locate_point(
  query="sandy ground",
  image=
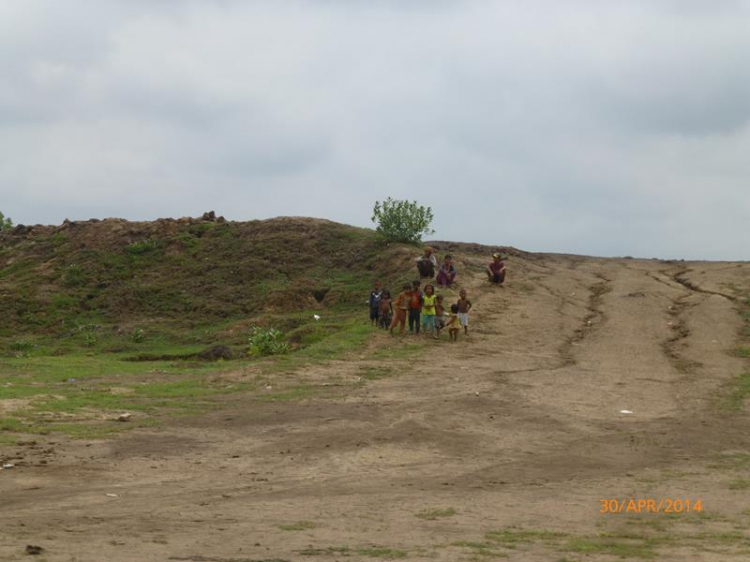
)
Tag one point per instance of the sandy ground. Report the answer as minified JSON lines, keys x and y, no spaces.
{"x":517,"y":426}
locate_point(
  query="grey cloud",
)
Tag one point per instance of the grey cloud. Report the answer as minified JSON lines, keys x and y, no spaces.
{"x":607,"y":128}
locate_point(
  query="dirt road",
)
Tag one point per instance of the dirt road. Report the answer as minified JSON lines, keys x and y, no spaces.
{"x":498,"y":446}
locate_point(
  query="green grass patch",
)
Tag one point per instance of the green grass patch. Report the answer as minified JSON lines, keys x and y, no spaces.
{"x":742,"y":351}
{"x":624,"y":548}
{"x":731,"y":461}
{"x":481,"y":549}
{"x":81,"y":395}
{"x":740,"y":484}
{"x":511,"y":537}
{"x":371,"y":373}
{"x":739,"y":393}
{"x":433,"y":514}
{"x":7,"y":439}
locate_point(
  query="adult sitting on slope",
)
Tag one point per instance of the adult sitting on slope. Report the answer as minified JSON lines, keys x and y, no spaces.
{"x":496,"y":270}
{"x":447,"y":274}
{"x":427,"y":264}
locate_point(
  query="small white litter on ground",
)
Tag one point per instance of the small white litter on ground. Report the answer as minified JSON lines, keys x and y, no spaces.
{"x":625,"y":412}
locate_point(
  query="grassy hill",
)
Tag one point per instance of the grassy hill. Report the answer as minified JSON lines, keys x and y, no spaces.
{"x":121,"y":286}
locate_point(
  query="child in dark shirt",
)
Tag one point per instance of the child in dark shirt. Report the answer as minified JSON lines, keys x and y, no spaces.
{"x":375,"y":296}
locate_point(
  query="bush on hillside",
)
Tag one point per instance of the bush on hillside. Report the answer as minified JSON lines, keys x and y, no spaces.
{"x":5,"y":223}
{"x":402,"y":221}
{"x":266,"y":342}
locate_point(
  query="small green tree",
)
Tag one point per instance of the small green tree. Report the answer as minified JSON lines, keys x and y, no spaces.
{"x":5,"y":224}
{"x":402,"y":221}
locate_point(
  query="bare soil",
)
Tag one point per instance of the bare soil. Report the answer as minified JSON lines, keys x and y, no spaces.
{"x":516,"y":426}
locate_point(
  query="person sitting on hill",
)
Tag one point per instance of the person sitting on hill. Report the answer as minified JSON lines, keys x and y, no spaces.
{"x":447,"y":274}
{"x":427,"y":264}
{"x":496,"y":270}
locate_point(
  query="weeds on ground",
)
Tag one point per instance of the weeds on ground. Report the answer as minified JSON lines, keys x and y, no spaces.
{"x":433,"y":514}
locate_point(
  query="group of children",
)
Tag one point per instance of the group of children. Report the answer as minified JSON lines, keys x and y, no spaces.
{"x":425,"y":308}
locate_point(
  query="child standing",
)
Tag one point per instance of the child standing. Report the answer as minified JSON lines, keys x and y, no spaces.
{"x":385,"y":312}
{"x":415,"y":304}
{"x":402,"y":305}
{"x":375,"y":296}
{"x":439,"y":315}
{"x":429,"y":302}
{"x":464,"y":306}
{"x":453,"y":324}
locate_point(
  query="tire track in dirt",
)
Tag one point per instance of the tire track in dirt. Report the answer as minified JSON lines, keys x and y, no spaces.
{"x":593,"y":318}
{"x":679,"y":277}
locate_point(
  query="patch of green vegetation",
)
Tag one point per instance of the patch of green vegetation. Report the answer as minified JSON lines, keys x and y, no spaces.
{"x":7,"y":439}
{"x":58,"y":239}
{"x":731,"y":461}
{"x":75,"y":276}
{"x":266,"y":341}
{"x":481,"y":549}
{"x":739,"y":484}
{"x":741,"y":391}
{"x":84,"y":390}
{"x":511,"y":537}
{"x":298,"y":526}
{"x":742,"y":351}
{"x":624,"y":548}
{"x":433,"y":514}
{"x":143,"y":247}
{"x":372,"y":373}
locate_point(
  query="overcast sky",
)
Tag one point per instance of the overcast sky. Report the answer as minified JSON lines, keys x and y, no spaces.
{"x":607,"y":128}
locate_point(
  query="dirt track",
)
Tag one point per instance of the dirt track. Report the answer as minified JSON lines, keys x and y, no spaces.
{"x":517,"y":426}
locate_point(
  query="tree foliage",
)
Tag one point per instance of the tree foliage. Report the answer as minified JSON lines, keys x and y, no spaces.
{"x":5,"y":223}
{"x":402,"y":221}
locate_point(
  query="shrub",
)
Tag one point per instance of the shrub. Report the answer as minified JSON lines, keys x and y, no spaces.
{"x":75,"y":276}
{"x":143,"y":247}
{"x":5,"y":223}
{"x":266,"y":342}
{"x":402,"y":221}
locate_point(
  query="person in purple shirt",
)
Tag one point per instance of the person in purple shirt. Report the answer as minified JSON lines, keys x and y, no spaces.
{"x":447,"y":274}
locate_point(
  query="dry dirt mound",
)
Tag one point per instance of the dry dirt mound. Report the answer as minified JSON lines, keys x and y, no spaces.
{"x":183,"y":272}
